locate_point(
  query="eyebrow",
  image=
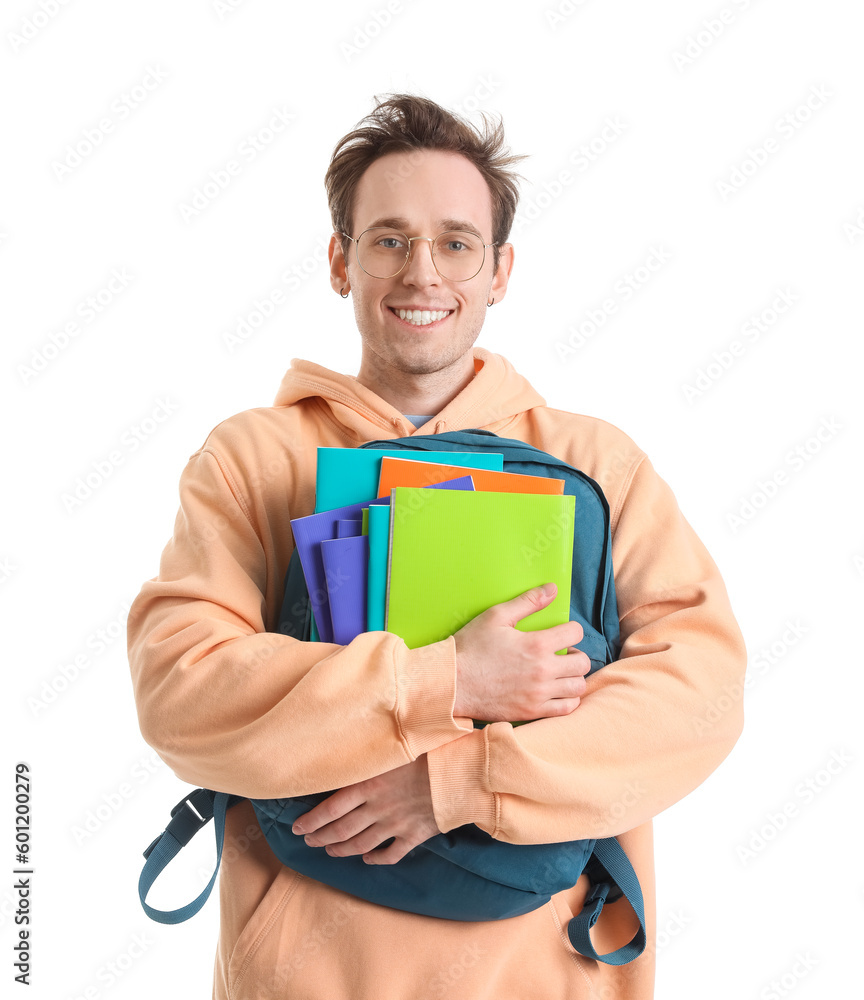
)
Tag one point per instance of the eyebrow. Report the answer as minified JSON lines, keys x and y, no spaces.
{"x":444,"y":225}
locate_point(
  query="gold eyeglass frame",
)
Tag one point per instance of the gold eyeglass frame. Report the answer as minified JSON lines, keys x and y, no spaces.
{"x":410,"y":240}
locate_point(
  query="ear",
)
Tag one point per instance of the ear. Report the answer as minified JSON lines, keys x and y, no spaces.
{"x":338,"y":270}
{"x":498,"y":288}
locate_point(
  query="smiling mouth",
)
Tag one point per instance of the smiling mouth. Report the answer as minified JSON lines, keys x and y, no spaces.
{"x":421,"y":317}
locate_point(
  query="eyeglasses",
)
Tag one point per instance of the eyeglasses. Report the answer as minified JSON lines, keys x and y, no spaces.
{"x":383,"y":252}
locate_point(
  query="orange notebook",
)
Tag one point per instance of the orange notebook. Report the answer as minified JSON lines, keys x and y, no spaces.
{"x":405,"y":472}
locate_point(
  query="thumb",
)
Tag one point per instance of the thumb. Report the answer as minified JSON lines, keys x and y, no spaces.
{"x":526,"y":604}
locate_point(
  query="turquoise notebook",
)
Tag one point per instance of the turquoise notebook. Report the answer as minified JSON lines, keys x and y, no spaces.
{"x":379,"y":542}
{"x":350,"y":475}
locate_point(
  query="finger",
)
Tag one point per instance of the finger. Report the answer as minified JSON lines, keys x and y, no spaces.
{"x":331,"y":809}
{"x":340,"y":831}
{"x":346,"y":827}
{"x":568,"y":687}
{"x":535,"y":599}
{"x":390,"y":855}
{"x":560,"y":706}
{"x":364,"y":842}
{"x":577,"y":663}
{"x":561,"y":636}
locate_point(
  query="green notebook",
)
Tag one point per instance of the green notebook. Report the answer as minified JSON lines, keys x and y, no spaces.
{"x":453,"y":555}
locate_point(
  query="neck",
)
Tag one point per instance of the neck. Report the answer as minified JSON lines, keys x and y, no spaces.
{"x":416,"y":392}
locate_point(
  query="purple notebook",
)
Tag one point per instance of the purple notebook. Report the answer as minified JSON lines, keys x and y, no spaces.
{"x":348,"y":527}
{"x":346,"y":568}
{"x":313,"y":529}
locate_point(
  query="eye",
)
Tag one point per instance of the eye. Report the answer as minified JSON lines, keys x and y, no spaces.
{"x":390,"y":243}
{"x":457,"y":244}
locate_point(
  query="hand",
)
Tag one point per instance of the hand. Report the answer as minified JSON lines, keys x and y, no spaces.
{"x":506,"y":675}
{"x":357,"y":818}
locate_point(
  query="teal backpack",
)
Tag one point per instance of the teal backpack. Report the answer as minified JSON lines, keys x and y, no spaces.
{"x":464,"y":874}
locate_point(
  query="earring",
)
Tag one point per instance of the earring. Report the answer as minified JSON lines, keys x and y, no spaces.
{"x":490,"y":304}
{"x":343,"y":293}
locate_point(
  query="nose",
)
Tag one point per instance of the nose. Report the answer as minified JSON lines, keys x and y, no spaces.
{"x":420,"y":266}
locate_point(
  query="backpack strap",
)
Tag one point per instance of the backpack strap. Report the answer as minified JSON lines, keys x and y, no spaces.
{"x":195,"y":810}
{"x":192,"y":813}
{"x":616,"y":866}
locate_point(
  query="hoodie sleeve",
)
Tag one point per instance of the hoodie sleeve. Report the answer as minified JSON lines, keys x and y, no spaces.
{"x":235,"y":708}
{"x":652,"y":725}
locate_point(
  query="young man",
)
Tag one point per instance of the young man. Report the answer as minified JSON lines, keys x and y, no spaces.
{"x":422,"y":205}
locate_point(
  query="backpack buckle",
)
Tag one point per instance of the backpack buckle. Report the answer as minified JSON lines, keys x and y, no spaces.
{"x":601,"y":879}
{"x":600,"y":892}
{"x":191,"y":813}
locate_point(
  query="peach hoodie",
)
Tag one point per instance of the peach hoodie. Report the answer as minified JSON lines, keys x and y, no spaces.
{"x":231,"y":705}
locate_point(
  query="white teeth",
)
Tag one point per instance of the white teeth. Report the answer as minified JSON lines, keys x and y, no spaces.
{"x":422,"y":317}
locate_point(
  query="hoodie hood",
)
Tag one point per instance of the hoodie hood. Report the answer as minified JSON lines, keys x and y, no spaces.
{"x":493,"y":399}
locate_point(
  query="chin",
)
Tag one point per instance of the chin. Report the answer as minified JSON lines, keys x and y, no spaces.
{"x":413,"y":357}
{"x":428,"y":359}
{"x":420,"y":366}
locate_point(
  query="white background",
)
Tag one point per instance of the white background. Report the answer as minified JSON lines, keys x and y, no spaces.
{"x":759,"y":876}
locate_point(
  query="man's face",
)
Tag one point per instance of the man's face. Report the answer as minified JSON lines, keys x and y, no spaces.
{"x":422,"y":193}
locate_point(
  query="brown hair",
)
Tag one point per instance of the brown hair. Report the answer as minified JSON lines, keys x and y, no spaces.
{"x":406,"y":122}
